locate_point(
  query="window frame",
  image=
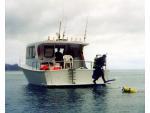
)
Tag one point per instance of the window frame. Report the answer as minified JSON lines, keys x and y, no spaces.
{"x":49,"y":46}
{"x":30,"y":52}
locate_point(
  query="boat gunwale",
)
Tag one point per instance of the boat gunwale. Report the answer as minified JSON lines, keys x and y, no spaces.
{"x":38,"y":70}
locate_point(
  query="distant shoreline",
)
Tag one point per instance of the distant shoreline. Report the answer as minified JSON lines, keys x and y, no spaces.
{"x":12,"y":67}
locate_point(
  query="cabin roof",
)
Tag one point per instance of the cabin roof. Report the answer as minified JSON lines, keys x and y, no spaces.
{"x":59,"y":42}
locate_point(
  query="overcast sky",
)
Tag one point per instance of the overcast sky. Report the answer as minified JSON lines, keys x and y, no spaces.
{"x":115,"y":27}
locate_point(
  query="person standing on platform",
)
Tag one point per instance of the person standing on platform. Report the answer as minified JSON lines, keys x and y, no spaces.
{"x":99,"y":64}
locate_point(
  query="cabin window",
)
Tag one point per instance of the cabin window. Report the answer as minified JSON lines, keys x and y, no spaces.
{"x":48,"y":51}
{"x":27,"y":53}
{"x":74,"y":50}
{"x":33,"y":52}
{"x":30,"y":52}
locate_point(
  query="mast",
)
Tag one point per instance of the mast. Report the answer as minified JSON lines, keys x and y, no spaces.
{"x":63,"y":34}
{"x":59,"y":31}
{"x":85,"y":29}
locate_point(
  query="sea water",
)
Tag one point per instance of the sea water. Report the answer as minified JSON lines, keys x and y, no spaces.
{"x":24,"y":98}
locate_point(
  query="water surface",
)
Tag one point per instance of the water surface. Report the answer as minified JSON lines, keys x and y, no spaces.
{"x":24,"y":98}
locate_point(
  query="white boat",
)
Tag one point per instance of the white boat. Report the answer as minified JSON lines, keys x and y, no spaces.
{"x":42,"y":68}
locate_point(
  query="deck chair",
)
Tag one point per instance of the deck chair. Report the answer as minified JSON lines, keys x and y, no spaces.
{"x":68,"y":61}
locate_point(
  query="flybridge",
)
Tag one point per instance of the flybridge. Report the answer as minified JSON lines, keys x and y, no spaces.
{"x":69,"y":38}
{"x":60,"y":42}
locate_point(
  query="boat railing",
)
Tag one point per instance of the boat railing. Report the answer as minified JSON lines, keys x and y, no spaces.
{"x":76,"y":64}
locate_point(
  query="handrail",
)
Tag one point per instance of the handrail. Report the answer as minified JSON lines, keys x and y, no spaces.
{"x":84,"y":64}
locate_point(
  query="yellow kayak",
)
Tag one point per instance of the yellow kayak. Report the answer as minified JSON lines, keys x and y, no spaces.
{"x":126,"y":89}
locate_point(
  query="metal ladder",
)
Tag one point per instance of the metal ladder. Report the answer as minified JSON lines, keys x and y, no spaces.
{"x":72,"y":72}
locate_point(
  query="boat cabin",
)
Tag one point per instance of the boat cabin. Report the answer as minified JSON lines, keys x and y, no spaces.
{"x":63,"y":54}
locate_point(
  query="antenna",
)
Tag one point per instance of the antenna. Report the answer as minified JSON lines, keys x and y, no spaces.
{"x":59,"y":31}
{"x":64,"y":23}
{"x":85,"y":29}
{"x":60,"y":24}
{"x":63,"y":34}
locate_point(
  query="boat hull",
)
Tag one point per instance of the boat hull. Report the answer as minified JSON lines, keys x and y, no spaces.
{"x":58,"y":78}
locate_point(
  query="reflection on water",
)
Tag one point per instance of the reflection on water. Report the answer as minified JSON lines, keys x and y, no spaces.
{"x":62,"y":100}
{"x":23,"y":98}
